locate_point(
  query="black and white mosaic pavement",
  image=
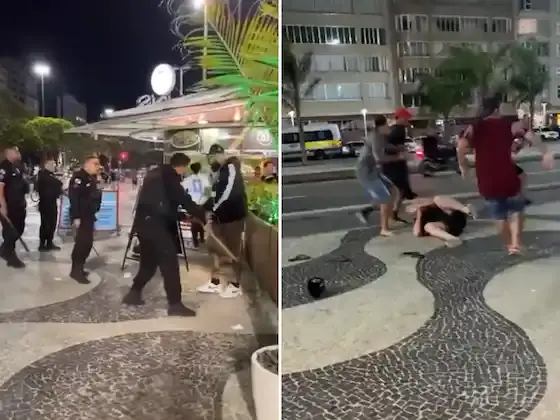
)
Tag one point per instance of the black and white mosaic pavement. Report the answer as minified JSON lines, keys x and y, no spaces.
{"x":171,"y":375}
{"x":344,"y":269}
{"x":467,"y":362}
{"x":102,"y":303}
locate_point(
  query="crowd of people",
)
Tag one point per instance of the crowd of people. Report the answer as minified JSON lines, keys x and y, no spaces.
{"x":215,"y":201}
{"x":493,"y":140}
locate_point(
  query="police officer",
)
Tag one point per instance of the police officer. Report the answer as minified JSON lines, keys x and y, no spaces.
{"x":156,"y":210}
{"x":49,"y":188}
{"x":13,"y":204}
{"x":85,"y":202}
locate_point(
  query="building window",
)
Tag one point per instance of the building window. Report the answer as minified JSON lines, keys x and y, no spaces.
{"x":374,"y":36}
{"x":331,"y":35}
{"x":447,"y":23}
{"x":376,"y":90}
{"x":474,"y":24}
{"x":413,"y":49}
{"x":526,"y":5}
{"x":558,"y":28}
{"x":411,"y":23}
{"x":376,"y":64}
{"x":411,"y":100}
{"x":323,"y":63}
{"x":501,"y":25}
{"x":558,"y":91}
{"x":557,"y":50}
{"x":542,"y":48}
{"x":337,"y":92}
{"x":557,"y":71}
{"x":352,"y":64}
{"x":410,"y":75}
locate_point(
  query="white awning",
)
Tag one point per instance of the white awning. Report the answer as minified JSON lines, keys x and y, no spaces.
{"x":214,"y":108}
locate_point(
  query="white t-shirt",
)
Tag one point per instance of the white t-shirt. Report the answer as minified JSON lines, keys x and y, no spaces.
{"x":198,"y":187}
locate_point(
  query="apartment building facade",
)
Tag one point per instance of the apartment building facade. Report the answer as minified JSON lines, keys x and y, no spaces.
{"x":540,"y":19}
{"x":368,"y":53}
{"x":18,"y":81}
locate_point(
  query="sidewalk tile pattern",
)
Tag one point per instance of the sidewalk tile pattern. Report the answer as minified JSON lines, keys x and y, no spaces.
{"x":345,"y":269}
{"x":467,"y":362}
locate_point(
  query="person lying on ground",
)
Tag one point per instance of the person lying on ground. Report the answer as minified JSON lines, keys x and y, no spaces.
{"x":441,"y":217}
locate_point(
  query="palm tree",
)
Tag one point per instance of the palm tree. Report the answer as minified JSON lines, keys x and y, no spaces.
{"x":485,"y":71}
{"x":297,"y":84}
{"x":243,"y":55}
{"x":528,"y":77}
{"x":444,"y":91}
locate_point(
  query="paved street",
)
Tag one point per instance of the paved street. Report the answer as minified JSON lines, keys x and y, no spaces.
{"x":320,"y":196}
{"x":75,"y":352}
{"x":459,"y":334}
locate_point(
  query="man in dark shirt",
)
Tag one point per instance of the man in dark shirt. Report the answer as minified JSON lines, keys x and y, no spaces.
{"x":227,"y":220}
{"x":85,"y":201}
{"x":491,"y":140}
{"x":49,"y":188}
{"x":397,"y":170}
{"x":268,"y":172}
{"x":157,"y":208}
{"x":13,"y":188}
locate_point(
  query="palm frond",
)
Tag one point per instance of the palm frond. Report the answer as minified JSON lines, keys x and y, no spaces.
{"x":243,"y":54}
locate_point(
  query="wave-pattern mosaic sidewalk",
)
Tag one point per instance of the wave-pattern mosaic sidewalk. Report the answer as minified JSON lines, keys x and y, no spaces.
{"x":421,"y":339}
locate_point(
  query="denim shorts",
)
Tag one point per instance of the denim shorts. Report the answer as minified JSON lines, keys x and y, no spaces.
{"x":503,"y":208}
{"x":379,"y":188}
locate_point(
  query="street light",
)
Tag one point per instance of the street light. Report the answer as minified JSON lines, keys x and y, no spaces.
{"x":42,"y":70}
{"x":292,"y":116}
{"x":364,"y":114}
{"x":202,"y":4}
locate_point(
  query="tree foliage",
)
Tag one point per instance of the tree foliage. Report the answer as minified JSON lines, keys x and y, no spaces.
{"x":297,"y":83}
{"x":512,"y":70}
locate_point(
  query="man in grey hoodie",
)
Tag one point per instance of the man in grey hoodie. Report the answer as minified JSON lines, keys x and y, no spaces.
{"x":369,"y":174}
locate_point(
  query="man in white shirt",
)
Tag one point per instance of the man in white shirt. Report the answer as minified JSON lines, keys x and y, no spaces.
{"x":199,"y":187}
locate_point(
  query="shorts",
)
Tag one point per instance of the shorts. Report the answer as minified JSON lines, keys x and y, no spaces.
{"x":519,"y":170}
{"x":379,"y":188}
{"x":454,"y":222}
{"x":503,"y":208}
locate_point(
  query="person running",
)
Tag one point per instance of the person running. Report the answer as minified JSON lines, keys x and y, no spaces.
{"x":441,"y":217}
{"x":396,"y":170}
{"x":371,"y":177}
{"x":491,"y":139}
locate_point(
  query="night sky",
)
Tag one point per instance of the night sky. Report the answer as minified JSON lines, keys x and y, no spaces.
{"x":101,"y":51}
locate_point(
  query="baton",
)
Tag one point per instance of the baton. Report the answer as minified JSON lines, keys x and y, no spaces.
{"x":11,"y":226}
{"x":221,"y":245}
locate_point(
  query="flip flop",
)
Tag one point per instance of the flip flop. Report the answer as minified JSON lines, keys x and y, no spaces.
{"x":513,"y":250}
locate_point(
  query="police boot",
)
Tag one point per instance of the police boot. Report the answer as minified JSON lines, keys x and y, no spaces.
{"x":14,"y":261}
{"x":178,"y":309}
{"x":78,"y":274}
{"x":134,"y":298}
{"x":52,"y":247}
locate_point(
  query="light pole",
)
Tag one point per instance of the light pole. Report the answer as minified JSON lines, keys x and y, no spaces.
{"x":42,"y":70}
{"x":292,"y":116}
{"x":203,"y":4}
{"x":364,"y":114}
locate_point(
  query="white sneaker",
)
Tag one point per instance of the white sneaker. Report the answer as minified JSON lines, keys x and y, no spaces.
{"x":231,"y":291}
{"x":209,"y":288}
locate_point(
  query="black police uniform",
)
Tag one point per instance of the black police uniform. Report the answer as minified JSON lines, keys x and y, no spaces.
{"x":15,"y":189}
{"x":156,"y":210}
{"x":85,"y":202}
{"x":49,"y":188}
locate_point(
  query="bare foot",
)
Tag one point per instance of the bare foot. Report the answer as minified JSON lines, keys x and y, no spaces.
{"x":452,"y":243}
{"x":386,"y":233}
{"x":514,"y":250}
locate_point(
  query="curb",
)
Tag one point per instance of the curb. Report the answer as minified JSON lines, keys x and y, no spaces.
{"x":350,"y":173}
{"x":309,"y":214}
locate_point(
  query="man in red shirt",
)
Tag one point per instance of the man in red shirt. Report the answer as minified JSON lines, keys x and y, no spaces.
{"x":491,"y":140}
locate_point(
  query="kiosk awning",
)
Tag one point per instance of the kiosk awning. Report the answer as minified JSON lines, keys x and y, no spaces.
{"x":216,"y":108}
